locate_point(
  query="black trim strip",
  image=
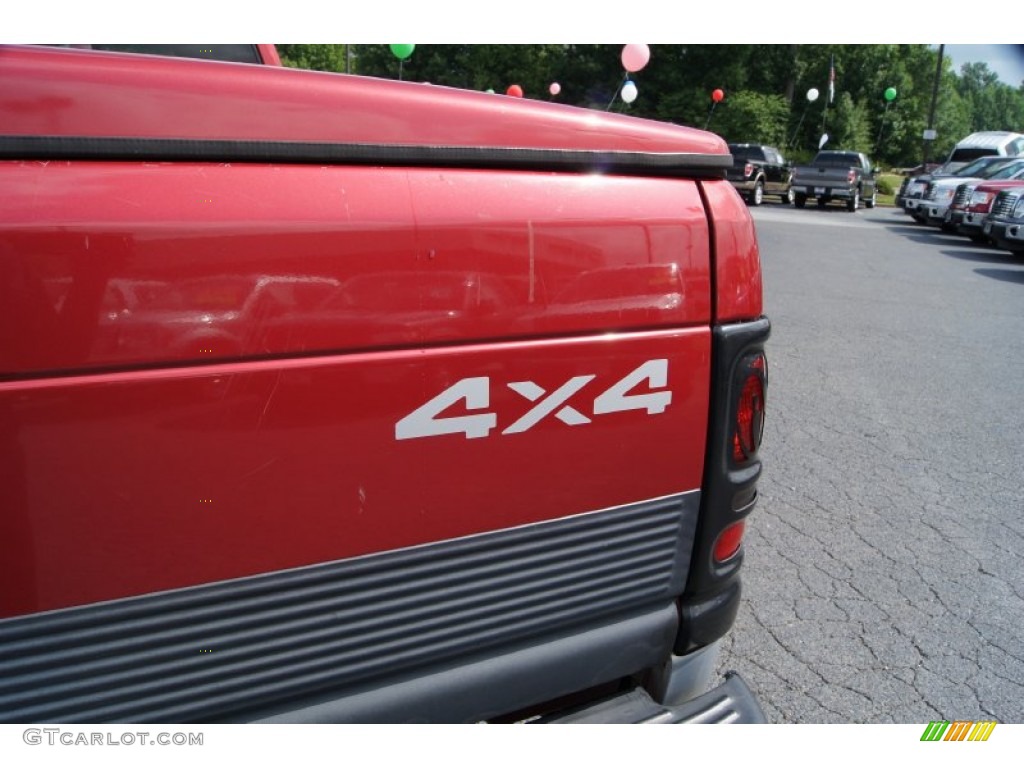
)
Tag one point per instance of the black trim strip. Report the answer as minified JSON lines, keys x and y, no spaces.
{"x":301,"y":152}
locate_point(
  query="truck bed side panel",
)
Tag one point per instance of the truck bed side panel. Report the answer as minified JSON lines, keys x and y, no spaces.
{"x":108,"y":265}
{"x":206,"y":376}
{"x":737,"y":261}
{"x":280,"y":464}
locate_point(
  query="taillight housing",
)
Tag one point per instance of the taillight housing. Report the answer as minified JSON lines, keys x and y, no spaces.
{"x":748,"y":169}
{"x":748,"y":428}
{"x":732,"y":468}
{"x":727,"y":545}
{"x":851,"y":176}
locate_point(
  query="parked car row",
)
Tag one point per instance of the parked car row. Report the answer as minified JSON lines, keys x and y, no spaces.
{"x":833,"y":176}
{"x":983,"y":200}
{"x":927,"y":197}
{"x":982,"y":144}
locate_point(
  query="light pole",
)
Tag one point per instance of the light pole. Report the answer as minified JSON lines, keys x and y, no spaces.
{"x":929,"y":134}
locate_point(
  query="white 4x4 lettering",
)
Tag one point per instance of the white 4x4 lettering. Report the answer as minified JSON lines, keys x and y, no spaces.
{"x":426,"y":421}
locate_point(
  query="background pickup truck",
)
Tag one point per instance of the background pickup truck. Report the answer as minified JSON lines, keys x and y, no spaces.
{"x":758,"y":170}
{"x":337,"y":399}
{"x":835,"y":175}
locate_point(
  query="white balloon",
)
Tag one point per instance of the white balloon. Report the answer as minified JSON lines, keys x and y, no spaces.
{"x":812,"y":95}
{"x":629,"y":92}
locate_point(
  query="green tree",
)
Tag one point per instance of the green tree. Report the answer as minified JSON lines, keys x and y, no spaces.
{"x":765,"y":88}
{"x":591,"y":75}
{"x":849,"y":127}
{"x":993,"y":105}
{"x":749,"y":116}
{"x":952,"y":121}
{"x":325,"y":58}
{"x":475,"y":67}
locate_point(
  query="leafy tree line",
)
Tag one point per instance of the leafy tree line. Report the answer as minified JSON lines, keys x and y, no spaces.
{"x":765,"y":88}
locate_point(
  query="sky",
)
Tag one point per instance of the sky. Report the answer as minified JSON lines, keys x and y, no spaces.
{"x":1007,"y":61}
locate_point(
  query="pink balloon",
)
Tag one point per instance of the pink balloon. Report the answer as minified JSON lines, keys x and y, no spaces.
{"x":717,"y":95}
{"x":635,"y":57}
{"x":555,"y":89}
{"x":515,"y":90}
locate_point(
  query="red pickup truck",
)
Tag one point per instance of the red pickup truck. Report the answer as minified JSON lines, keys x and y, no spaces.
{"x":337,"y":399}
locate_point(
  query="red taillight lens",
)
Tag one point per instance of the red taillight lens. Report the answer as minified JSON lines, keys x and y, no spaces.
{"x":748,"y":169}
{"x":851,"y":176}
{"x":749,"y":426}
{"x":729,"y":541}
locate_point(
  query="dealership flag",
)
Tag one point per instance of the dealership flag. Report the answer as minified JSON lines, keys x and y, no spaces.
{"x":832,"y":80}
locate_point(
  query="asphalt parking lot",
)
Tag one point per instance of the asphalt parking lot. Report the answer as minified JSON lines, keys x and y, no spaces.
{"x":884,"y":563}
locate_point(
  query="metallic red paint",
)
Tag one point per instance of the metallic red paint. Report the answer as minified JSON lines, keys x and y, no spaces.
{"x":736,"y":260}
{"x":65,"y":92}
{"x":119,"y":264}
{"x":121,"y":484}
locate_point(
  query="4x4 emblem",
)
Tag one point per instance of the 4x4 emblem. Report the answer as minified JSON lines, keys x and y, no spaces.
{"x":475,"y":393}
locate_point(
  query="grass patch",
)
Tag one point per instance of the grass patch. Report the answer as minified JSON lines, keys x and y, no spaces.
{"x":888,"y":186}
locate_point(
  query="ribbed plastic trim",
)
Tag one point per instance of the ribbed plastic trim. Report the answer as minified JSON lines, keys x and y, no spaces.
{"x":202,"y":653}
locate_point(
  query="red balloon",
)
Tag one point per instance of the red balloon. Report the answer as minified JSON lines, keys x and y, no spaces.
{"x":515,"y":90}
{"x":717,"y":95}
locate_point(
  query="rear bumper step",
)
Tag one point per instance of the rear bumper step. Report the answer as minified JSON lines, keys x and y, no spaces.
{"x":730,"y":702}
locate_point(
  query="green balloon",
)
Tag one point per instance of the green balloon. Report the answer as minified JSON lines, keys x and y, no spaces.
{"x":402,"y":52}
{"x":890,"y":94}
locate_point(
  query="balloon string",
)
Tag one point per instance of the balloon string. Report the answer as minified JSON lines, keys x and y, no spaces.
{"x":878,"y":141}
{"x":625,"y":77}
{"x":710,"y":113}
{"x":792,"y":142}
